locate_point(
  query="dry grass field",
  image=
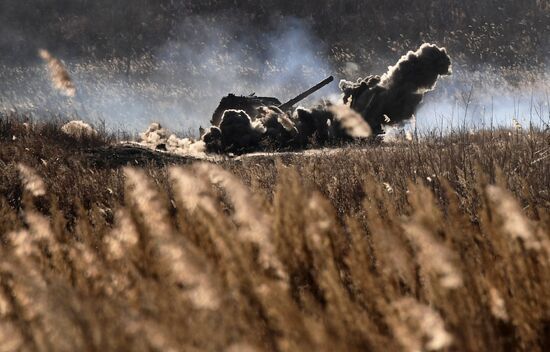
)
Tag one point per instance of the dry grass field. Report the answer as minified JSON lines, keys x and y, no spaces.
{"x":441,"y":243}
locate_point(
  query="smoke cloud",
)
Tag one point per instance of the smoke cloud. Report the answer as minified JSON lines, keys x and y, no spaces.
{"x":486,"y":98}
{"x":373,"y":101}
{"x":394,"y":97}
{"x":181,"y":83}
{"x":274,"y":130}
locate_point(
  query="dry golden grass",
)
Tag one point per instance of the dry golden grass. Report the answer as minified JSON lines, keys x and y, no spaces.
{"x":61,"y":80}
{"x":435,"y":245}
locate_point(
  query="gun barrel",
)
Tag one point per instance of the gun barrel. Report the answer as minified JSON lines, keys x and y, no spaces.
{"x":305,"y":94}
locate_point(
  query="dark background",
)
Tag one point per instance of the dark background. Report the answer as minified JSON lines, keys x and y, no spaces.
{"x":504,"y":33}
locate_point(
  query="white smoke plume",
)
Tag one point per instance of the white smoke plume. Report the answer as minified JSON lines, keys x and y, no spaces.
{"x":158,"y":138}
{"x":181,"y":84}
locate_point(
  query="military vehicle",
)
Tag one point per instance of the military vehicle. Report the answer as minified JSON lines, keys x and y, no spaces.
{"x":250,"y":104}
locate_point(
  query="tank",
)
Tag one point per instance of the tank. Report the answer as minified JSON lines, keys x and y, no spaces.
{"x":251,"y":103}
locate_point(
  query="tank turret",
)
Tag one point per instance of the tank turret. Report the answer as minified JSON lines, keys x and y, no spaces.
{"x":251,"y":104}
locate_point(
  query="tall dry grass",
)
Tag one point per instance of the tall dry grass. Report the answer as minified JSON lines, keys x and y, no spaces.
{"x":301,"y":253}
{"x":61,"y":80}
